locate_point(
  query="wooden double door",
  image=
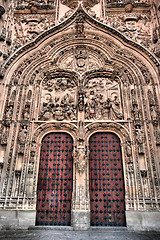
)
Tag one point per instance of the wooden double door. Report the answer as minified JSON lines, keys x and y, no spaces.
{"x":55,"y":180}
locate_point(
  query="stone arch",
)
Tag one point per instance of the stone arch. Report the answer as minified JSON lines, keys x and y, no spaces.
{"x":110,"y":51}
{"x":121,"y":60}
{"x":93,"y":22}
{"x":80,"y":12}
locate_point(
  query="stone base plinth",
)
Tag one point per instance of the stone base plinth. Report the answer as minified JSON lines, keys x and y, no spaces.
{"x":17,"y":219}
{"x":143,"y":220}
{"x":135,"y":220}
{"x":80,"y":220}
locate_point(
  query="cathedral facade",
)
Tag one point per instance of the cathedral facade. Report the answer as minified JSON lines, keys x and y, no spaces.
{"x":80,"y":114}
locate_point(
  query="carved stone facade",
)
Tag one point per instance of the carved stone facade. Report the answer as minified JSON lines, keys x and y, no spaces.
{"x":94,"y":68}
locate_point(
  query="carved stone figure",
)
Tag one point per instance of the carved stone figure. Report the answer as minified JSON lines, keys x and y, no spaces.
{"x":140,"y":139}
{"x":158,"y":138}
{"x":32,"y":152}
{"x":130,"y":168}
{"x":5,"y":136}
{"x":13,"y":97}
{"x":22,"y":135}
{"x":58,"y":98}
{"x":81,"y":98}
{"x":102,"y":98}
{"x":46,"y":111}
{"x":3,"y":34}
{"x":107,"y":106}
{"x":81,"y":133}
{"x":153,"y":113}
{"x":9,"y":113}
{"x":151,"y":98}
{"x":116,"y":107}
{"x":80,"y":159}
{"x":136,"y":112}
{"x":26,"y":112}
{"x":129,"y":151}
{"x":29,"y":95}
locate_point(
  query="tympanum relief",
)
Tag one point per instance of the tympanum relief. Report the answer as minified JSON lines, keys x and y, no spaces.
{"x":80,"y":59}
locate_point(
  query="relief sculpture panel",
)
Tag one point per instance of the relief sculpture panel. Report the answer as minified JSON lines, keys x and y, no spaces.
{"x":58,"y":99}
{"x":103,"y":99}
{"x":80,"y":59}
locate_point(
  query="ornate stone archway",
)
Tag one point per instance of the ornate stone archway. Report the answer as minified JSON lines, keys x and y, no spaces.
{"x":90,"y":79}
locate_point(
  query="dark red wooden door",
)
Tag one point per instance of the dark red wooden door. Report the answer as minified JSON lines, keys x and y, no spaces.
{"x":54,"y":189}
{"x":106,"y":181}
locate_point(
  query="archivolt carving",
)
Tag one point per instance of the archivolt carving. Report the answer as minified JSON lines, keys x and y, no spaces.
{"x":51,"y":127}
{"x":121,"y":130}
{"x":4,"y":135}
{"x":86,"y":18}
{"x":83,"y":58}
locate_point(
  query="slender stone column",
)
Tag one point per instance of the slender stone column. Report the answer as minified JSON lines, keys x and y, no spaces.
{"x":80,"y":210}
{"x":80,"y":200}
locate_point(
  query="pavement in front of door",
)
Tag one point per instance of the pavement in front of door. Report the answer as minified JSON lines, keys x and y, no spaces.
{"x":92,"y":234}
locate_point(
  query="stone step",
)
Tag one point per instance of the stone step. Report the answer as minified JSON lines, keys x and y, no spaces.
{"x":109,"y":229}
{"x":68,"y":228}
{"x":54,"y":228}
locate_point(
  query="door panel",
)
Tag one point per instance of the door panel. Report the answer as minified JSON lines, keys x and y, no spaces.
{"x":54,"y":190}
{"x":106,"y":181}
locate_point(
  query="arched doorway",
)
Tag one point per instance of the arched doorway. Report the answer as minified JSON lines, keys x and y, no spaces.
{"x":54,"y":191}
{"x":107,"y":203}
